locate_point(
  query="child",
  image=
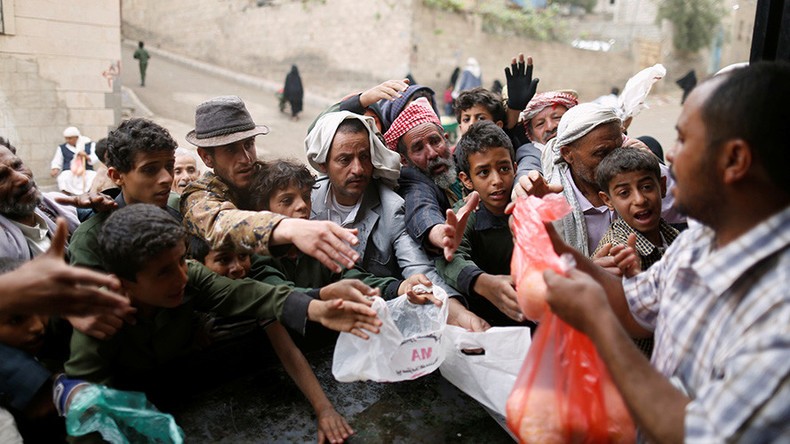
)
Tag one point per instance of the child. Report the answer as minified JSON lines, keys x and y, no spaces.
{"x":331,"y":425}
{"x":145,"y":247}
{"x":480,"y":269}
{"x":631,"y":184}
{"x":31,"y":349}
{"x":478,"y":104}
{"x":284,"y":187}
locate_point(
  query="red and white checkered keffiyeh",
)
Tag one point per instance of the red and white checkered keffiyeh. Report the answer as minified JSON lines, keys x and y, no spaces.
{"x":418,"y":112}
{"x":567,"y":98}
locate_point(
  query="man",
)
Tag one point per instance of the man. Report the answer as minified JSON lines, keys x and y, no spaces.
{"x":357,"y":193}
{"x":586,"y":134}
{"x":225,"y":136}
{"x":541,"y":118}
{"x":27,"y":217}
{"x":717,"y":302}
{"x":185,"y":170}
{"x":429,"y":180}
{"x":142,"y":56}
{"x":76,"y":148}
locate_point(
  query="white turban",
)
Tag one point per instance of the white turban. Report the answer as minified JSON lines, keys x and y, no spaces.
{"x":576,"y":123}
{"x":71,"y":132}
{"x":386,"y":163}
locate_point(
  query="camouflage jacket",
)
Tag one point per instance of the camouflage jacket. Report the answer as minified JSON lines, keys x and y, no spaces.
{"x":210,"y":211}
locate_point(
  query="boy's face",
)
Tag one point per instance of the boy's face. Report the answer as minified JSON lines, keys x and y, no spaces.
{"x":292,"y":202}
{"x":161,"y":282}
{"x":636,"y":196}
{"x":149,"y":180}
{"x":23,"y":332}
{"x":491,"y":174}
{"x":228,"y":263}
{"x":472,"y":115}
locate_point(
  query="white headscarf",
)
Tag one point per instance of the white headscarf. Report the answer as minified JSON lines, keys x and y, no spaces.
{"x":386,"y":163}
{"x":576,"y":123}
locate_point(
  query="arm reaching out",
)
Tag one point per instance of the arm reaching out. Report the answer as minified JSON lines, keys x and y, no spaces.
{"x":340,"y":315}
{"x":47,"y":285}
{"x":324,"y":240}
{"x":389,"y":90}
{"x":448,"y":236}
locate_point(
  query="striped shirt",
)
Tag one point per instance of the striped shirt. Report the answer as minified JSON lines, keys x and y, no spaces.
{"x":721,"y":320}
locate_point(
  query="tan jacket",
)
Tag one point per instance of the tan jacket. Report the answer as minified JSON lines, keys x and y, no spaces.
{"x":210,"y":211}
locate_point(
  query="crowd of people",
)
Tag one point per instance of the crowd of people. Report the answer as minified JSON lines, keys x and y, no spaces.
{"x":679,"y":279}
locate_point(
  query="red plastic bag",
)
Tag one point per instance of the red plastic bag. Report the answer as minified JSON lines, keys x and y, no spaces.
{"x":533,"y":252}
{"x":564,"y":393}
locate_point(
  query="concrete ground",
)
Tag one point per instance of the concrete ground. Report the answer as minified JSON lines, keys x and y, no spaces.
{"x":261,"y":403}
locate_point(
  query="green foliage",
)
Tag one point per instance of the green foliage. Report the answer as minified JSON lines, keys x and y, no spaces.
{"x":694,"y":22}
{"x":588,"y":5}
{"x":500,"y":18}
{"x":446,"y":5}
{"x":539,"y":24}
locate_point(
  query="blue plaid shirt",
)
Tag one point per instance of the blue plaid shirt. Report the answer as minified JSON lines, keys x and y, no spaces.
{"x":721,"y":320}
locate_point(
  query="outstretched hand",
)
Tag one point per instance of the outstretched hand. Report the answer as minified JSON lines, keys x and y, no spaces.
{"x":324,"y":240}
{"x":47,"y":285}
{"x":521,"y":87}
{"x":418,"y":296}
{"x":534,"y":184}
{"x":625,"y":257}
{"x":352,"y":290}
{"x":447,"y":236}
{"x":389,"y":90}
{"x":603,"y":258}
{"x":340,"y":315}
{"x":332,"y":427}
{"x":99,"y":202}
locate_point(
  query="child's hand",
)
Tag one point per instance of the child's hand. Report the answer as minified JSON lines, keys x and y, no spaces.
{"x":418,"y":295}
{"x":604,"y":259}
{"x":340,"y":315}
{"x":459,"y":316}
{"x":447,"y":236}
{"x":352,"y":290}
{"x":626,"y":258}
{"x":332,"y":427}
{"x":533,"y":184}
{"x":500,"y":291}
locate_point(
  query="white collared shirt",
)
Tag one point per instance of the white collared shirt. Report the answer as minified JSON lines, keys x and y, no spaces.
{"x":37,"y":236}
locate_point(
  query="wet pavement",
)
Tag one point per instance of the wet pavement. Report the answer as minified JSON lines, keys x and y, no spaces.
{"x":265,"y":405}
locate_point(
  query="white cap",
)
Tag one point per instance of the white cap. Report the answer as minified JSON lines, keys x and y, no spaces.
{"x":71,"y":131}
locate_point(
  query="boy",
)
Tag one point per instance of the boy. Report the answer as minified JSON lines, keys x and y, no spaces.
{"x":331,"y":425}
{"x":284,"y":187}
{"x":631,"y":184}
{"x":478,"y":104}
{"x":480,"y":269}
{"x":30,"y":350}
{"x":633,"y":187}
{"x":145,"y":247}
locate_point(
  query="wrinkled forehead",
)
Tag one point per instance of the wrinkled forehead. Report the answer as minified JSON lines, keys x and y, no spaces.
{"x":185,"y":160}
{"x":421,"y":131}
{"x":550,"y":109}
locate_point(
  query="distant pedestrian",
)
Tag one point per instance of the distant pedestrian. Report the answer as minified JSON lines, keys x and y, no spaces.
{"x":687,"y":83}
{"x":294,"y":92}
{"x":471,"y":77}
{"x":142,"y":55}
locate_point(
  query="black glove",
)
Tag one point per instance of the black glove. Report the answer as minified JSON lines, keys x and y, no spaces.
{"x":521,"y":86}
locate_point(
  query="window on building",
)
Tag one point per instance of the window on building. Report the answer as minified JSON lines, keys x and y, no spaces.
{"x":2,"y":22}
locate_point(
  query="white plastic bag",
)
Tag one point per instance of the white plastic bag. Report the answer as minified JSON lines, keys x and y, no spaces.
{"x":408,"y":346}
{"x":488,"y":377}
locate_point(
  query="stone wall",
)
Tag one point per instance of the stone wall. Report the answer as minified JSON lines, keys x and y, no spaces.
{"x":55,"y":65}
{"x":346,"y":45}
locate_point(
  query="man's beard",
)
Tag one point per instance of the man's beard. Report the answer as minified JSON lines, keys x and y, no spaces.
{"x":446,"y":179}
{"x":15,"y":209}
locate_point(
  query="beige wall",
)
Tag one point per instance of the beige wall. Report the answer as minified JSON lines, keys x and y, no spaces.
{"x":345,"y":45}
{"x":52,"y":61}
